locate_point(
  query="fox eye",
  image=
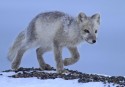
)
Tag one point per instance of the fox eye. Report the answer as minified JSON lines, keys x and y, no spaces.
{"x":95,"y":31}
{"x":86,"y":31}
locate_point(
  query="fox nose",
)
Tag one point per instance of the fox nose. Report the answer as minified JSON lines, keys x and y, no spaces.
{"x":94,"y":41}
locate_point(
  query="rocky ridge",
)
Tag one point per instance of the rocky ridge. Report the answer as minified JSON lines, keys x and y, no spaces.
{"x":69,"y":75}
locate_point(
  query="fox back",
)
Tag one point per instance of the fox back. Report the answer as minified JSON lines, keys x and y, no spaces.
{"x":67,"y":29}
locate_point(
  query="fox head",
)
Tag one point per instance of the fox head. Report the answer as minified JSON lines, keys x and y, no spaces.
{"x":89,"y":27}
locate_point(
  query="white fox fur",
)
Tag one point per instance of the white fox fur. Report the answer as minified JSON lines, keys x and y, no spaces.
{"x":55,"y":30}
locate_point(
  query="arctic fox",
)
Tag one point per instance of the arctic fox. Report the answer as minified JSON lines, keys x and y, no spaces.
{"x":53,"y":31}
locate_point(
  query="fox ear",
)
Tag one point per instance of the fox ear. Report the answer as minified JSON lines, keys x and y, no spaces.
{"x":96,"y":17}
{"x":82,"y":17}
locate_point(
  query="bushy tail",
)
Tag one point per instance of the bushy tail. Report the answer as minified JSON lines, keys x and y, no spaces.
{"x":15,"y":46}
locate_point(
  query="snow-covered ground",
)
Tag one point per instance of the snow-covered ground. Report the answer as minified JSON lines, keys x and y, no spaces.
{"x":6,"y":81}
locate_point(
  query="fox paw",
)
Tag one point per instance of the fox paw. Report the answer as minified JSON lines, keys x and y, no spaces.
{"x":66,"y":61}
{"x":62,"y":71}
{"x":14,"y":65}
{"x":46,"y":67}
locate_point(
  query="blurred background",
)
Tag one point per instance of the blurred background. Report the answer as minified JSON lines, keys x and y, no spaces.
{"x":107,"y":56}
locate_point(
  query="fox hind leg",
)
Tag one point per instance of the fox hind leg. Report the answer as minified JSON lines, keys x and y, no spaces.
{"x":75,"y":56}
{"x":40,"y":51}
{"x":17,"y":60}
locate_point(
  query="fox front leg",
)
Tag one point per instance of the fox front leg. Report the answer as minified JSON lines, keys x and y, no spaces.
{"x":58,"y":57}
{"x":75,"y":56}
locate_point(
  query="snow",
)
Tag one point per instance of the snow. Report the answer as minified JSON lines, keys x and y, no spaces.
{"x":6,"y":81}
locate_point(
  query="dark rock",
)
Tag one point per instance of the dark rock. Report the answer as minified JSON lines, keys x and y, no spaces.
{"x":8,"y":71}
